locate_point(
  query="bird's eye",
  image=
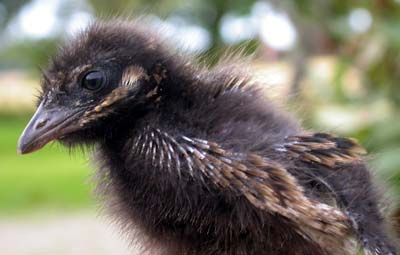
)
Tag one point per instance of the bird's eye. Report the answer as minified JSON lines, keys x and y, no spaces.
{"x":93,"y":80}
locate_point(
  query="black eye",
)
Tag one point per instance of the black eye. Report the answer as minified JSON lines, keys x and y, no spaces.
{"x":93,"y":80}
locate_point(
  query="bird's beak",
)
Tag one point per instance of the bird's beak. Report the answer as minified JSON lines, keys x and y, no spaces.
{"x":47,"y":124}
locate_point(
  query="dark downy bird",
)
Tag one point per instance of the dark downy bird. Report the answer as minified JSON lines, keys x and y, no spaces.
{"x":198,"y":161}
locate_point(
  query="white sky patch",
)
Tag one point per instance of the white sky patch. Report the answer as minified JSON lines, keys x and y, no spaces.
{"x":360,"y":20}
{"x":190,"y":37}
{"x":275,"y":27}
{"x":235,"y":29}
{"x":78,"y":21}
{"x":38,"y":19}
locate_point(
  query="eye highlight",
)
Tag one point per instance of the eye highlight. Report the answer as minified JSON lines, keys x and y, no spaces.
{"x":93,"y":80}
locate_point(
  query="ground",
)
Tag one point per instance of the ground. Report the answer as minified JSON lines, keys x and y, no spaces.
{"x":62,"y":234}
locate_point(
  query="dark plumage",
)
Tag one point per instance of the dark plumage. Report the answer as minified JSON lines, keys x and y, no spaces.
{"x":198,"y":161}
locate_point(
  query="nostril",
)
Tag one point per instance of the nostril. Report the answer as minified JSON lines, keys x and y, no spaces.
{"x":41,"y":123}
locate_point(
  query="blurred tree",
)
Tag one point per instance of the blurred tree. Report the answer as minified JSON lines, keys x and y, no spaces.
{"x":335,"y":28}
{"x":8,"y":9}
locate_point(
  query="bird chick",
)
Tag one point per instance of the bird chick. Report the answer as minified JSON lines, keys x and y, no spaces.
{"x":198,"y":161}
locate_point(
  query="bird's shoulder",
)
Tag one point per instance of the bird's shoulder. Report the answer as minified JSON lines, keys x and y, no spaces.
{"x":230,"y":109}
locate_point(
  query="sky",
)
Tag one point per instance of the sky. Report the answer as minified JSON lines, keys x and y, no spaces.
{"x":39,"y":19}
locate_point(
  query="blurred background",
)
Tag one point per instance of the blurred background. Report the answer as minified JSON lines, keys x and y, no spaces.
{"x":335,"y":63}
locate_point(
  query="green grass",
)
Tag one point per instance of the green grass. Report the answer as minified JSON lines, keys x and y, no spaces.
{"x":50,"y":178}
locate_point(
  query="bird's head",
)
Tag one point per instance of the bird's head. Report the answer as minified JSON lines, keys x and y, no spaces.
{"x":108,"y":69}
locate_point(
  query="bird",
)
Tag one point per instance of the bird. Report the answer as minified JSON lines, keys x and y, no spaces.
{"x":197,"y":160}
